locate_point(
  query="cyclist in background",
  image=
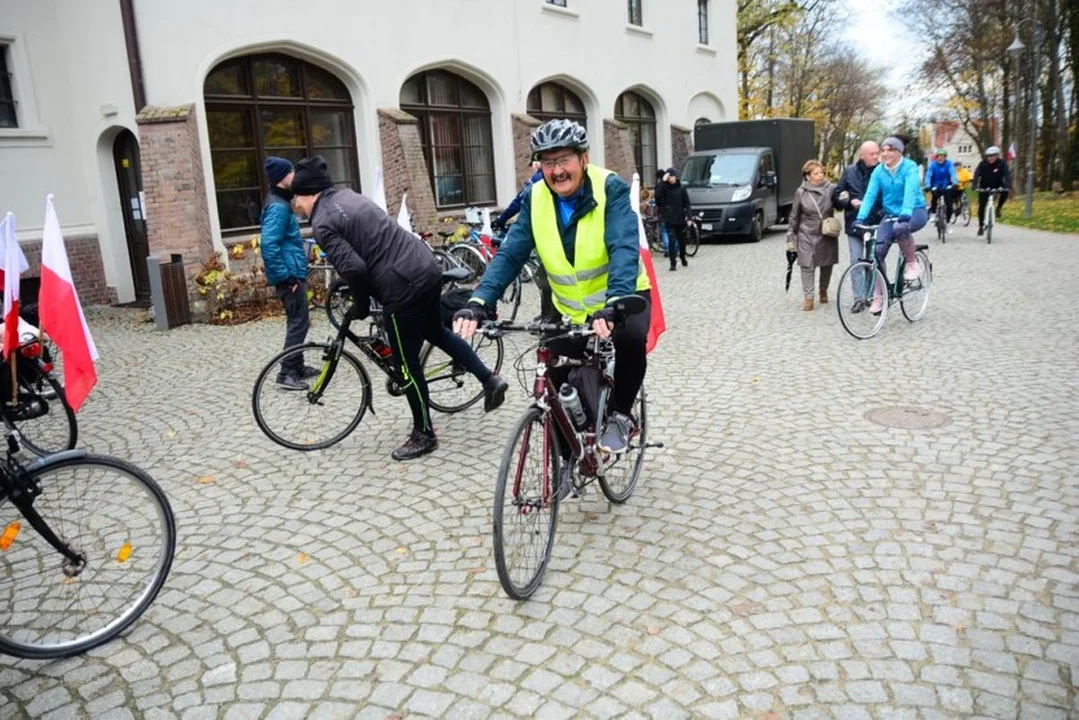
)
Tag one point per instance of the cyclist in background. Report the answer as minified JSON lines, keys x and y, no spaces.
{"x":941,"y":179}
{"x":991,"y":174}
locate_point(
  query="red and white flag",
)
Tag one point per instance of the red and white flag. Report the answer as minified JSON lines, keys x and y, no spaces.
{"x":14,"y":265}
{"x":658,"y":322}
{"x":1011,"y":153}
{"x":61,"y":313}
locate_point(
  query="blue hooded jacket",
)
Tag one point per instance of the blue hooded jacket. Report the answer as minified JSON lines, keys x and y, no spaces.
{"x":940,"y":175}
{"x":899,"y":190}
{"x":620,"y":234}
{"x":283,"y":253}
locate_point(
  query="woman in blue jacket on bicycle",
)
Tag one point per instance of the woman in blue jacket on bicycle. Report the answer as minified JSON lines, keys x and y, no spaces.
{"x":895,"y":183}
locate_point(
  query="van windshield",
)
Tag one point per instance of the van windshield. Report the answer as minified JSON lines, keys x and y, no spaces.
{"x":721,"y":169}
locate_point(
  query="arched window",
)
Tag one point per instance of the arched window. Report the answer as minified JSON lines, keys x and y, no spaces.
{"x":455,"y":129}
{"x":637,"y":113}
{"x":273,"y":104}
{"x":550,"y":100}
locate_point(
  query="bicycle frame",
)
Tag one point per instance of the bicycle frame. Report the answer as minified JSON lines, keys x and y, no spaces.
{"x":869,"y":247}
{"x":367,"y":344}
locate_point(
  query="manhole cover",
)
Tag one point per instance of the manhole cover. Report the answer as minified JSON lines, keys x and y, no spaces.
{"x":907,"y":418}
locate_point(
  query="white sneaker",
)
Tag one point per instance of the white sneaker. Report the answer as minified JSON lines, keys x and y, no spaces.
{"x":912,"y":272}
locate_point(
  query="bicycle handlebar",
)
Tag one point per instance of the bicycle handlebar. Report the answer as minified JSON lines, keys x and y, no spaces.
{"x":563,"y":330}
{"x":991,"y":191}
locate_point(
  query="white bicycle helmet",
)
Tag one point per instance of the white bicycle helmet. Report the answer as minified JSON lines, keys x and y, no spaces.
{"x":992,"y":150}
{"x":555,"y":134}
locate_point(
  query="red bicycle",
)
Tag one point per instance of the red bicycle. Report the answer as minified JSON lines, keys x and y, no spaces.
{"x":556,"y":442}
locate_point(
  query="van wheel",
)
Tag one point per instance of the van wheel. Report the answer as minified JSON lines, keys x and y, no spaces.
{"x":756,"y":229}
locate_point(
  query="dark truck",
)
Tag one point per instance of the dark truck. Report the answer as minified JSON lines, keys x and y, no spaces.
{"x":743,"y":175}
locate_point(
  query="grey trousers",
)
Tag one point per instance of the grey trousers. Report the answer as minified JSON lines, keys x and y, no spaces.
{"x":857,"y":247}
{"x":808,"y":277}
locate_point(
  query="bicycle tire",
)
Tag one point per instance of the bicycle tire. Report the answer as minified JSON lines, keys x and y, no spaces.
{"x":470,"y":258}
{"x":610,"y":491}
{"x":942,"y":224}
{"x":445,"y":260}
{"x":914,"y":313}
{"x":511,"y":299}
{"x":990,"y":220}
{"x":848,"y":294}
{"x":522,"y":591}
{"x":25,"y":648}
{"x":693,"y":240}
{"x":338,"y":302}
{"x":317,"y":288}
{"x":329,"y":369}
{"x":964,"y":211}
{"x":458,"y":376}
{"x":39,"y":448}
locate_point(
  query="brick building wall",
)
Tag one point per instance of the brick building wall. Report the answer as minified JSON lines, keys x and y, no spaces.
{"x":619,"y":149}
{"x":681,"y":145}
{"x":177,"y":213}
{"x":523,"y":125}
{"x":87,"y":269}
{"x":404,"y":168}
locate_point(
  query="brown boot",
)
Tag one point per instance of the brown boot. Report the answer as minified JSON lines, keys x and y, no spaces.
{"x":823,"y":297}
{"x":807,"y":304}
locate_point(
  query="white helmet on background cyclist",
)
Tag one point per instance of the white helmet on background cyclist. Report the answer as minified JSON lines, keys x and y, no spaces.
{"x":992,"y":150}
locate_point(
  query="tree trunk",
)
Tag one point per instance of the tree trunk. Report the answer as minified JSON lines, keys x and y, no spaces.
{"x":769,"y":97}
{"x":1063,"y":147}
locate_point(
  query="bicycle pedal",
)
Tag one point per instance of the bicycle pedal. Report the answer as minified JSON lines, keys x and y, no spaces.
{"x":658,"y":445}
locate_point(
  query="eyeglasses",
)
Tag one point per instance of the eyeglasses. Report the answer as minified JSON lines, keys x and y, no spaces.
{"x":558,"y":162}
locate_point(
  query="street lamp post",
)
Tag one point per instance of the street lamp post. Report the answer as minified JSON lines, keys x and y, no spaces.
{"x":1016,"y":49}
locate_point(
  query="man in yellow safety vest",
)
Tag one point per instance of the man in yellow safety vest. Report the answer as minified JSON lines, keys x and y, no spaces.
{"x":580,"y":223}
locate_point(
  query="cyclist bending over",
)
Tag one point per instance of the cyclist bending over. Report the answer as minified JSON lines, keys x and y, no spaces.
{"x":580,"y":223}
{"x":895,"y":183}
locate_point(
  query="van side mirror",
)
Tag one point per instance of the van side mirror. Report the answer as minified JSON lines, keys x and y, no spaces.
{"x":769,"y":179}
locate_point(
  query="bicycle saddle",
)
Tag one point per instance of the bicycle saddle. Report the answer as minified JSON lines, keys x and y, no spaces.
{"x":457,"y":274}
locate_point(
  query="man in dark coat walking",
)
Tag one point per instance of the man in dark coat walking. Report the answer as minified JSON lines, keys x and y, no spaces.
{"x":674,"y":212}
{"x":379,"y":259}
{"x":848,"y":195}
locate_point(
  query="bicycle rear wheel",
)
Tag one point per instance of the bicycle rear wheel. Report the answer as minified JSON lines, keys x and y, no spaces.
{"x":338,"y":301}
{"x":526,"y":505}
{"x":118,"y":521}
{"x":914,"y":300}
{"x":964,"y":211}
{"x":693,"y":240}
{"x":450,"y":387}
{"x":857,"y":287}
{"x":45,"y":421}
{"x":325,"y":413}
{"x":469,"y":257}
{"x":620,"y":477}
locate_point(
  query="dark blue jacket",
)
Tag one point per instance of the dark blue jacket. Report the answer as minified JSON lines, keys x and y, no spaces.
{"x":515,"y":207}
{"x":283,"y":252}
{"x":854,"y":182}
{"x":620,"y":230}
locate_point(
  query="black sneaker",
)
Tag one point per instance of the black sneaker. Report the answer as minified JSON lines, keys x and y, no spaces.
{"x":494,"y":393}
{"x":673,"y":268}
{"x":981,"y":231}
{"x":684,"y":263}
{"x":565,"y":488}
{"x":309,"y":372}
{"x":616,"y":436}
{"x":417,"y":445}
{"x":290,"y":381}
{"x":859,"y":306}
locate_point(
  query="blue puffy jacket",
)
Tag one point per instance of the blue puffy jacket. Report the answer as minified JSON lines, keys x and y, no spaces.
{"x":940,"y":175}
{"x":898,"y":190}
{"x":283,"y":252}
{"x":620,"y":233}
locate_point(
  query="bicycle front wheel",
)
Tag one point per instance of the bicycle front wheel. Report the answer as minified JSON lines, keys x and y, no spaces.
{"x":915,"y":298}
{"x":526,"y":505}
{"x":450,"y":387}
{"x":964,"y":211}
{"x":118,"y":522}
{"x":693,"y":240}
{"x":45,"y":421}
{"x":858,"y":287}
{"x":619,"y":478}
{"x":324,"y":410}
{"x":990,"y":220}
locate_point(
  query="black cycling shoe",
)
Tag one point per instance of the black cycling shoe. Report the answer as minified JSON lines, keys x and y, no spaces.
{"x":494,"y":393}
{"x":309,"y":372}
{"x":417,"y":445}
{"x":290,"y":381}
{"x":859,"y":306}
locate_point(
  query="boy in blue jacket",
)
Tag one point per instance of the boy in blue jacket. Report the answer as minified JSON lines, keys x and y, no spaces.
{"x":895,"y":184}
{"x":285,"y":259}
{"x":941,"y":178}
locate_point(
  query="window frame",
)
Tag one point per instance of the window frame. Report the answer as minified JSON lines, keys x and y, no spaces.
{"x":543,"y":115}
{"x":703,"y":36}
{"x":639,"y":120}
{"x":7,"y":91}
{"x":253,"y":104}
{"x":635,"y":12}
{"x":424,"y":111}
{"x":557,"y":3}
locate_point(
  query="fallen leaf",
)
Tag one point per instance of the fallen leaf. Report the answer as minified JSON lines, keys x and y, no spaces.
{"x":239,"y":464}
{"x":477,"y":570}
{"x":653,"y":631}
{"x":591,"y":517}
{"x":401,"y":551}
{"x":207,"y":480}
{"x":170,"y":433}
{"x":303,"y":558}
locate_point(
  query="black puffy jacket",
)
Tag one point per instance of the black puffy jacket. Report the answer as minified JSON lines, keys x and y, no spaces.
{"x":375,"y":256}
{"x":854,"y":182}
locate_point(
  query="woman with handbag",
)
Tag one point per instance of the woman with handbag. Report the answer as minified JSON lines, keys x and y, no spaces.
{"x":814,"y":231}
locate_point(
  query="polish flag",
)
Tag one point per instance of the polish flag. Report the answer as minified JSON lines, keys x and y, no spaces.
{"x":658,"y":323}
{"x":61,"y":313}
{"x":14,"y":264}
{"x":1011,"y":153}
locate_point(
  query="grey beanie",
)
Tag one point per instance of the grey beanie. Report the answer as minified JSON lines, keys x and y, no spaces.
{"x":894,"y":143}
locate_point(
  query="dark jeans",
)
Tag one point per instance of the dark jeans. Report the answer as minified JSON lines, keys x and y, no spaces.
{"x":630,"y":356}
{"x":983,"y":198}
{"x":677,"y":234}
{"x":297,"y":322}
{"x":949,"y":200}
{"x":407,"y":328}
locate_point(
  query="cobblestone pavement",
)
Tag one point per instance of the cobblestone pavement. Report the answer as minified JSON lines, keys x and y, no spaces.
{"x":784,"y":556}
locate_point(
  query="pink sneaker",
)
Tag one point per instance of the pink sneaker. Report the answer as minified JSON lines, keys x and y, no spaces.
{"x":913,"y":271}
{"x":877,"y":305}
